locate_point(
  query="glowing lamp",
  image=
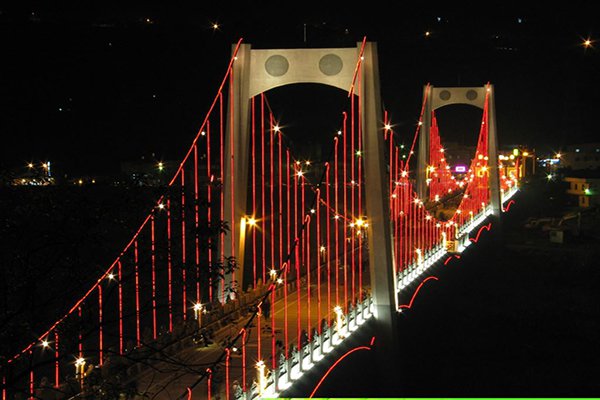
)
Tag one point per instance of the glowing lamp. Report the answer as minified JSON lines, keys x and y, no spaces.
{"x":261,"y":374}
{"x":419,"y":256}
{"x":198,"y":309}
{"x":339,"y":321}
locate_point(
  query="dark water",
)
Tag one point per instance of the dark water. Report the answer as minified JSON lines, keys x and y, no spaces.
{"x":499,"y":322}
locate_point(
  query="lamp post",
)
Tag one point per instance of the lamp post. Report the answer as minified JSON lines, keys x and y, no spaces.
{"x":80,"y":370}
{"x":261,"y":374}
{"x":198,"y":310}
{"x":339,"y":320}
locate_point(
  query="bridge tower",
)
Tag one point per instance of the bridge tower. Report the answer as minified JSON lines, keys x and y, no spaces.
{"x":437,"y":97}
{"x":258,"y":70}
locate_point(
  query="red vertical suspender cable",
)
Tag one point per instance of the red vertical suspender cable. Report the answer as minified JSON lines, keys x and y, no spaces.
{"x":183,"y":248}
{"x":328,"y":245}
{"x":221,"y":192}
{"x":209,"y":177}
{"x":153,"y":257}
{"x":169,"y":267}
{"x":263,"y":200}
{"x":244,"y":333}
{"x":273,"y":352}
{"x":296,"y":208}
{"x":280,"y":211}
{"x":196,"y":220}
{"x":31,"y":377}
{"x":307,"y":222}
{"x":258,"y":332}
{"x":253,"y":155}
{"x":271,"y":193}
{"x":209,"y":382}
{"x":360,"y":238}
{"x":336,"y":222}
{"x":318,"y":259}
{"x":56,"y":360}
{"x":227,"y":356}
{"x":120,"y":287}
{"x":352,"y":195}
{"x":298,"y":309}
{"x":100,"y":326}
{"x":303,"y":211}
{"x":232,"y":169}
{"x":288,"y":238}
{"x":345,"y":215}
{"x":137,"y":293}
{"x":80,"y":342}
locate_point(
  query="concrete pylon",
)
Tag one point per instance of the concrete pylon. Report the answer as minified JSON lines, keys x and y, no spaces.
{"x":258,"y":70}
{"x":435,"y":98}
{"x":380,"y":240}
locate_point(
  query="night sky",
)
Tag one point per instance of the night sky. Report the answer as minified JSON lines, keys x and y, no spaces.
{"x":88,"y":85}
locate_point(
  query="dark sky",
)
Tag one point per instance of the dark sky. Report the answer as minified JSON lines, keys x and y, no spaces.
{"x":89,"y":84}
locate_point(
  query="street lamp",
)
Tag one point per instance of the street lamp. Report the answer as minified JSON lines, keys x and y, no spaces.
{"x":80,"y":370}
{"x":261,"y":373}
{"x":419,"y":257}
{"x":339,"y":321}
{"x":198,"y":311}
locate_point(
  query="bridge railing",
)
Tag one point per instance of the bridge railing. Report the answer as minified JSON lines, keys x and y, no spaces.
{"x":290,"y":369}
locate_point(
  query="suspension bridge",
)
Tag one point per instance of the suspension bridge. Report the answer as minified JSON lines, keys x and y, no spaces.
{"x":254,"y":264}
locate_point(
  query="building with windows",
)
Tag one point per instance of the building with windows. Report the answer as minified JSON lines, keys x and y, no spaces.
{"x":584,"y":189}
{"x":584,"y":156}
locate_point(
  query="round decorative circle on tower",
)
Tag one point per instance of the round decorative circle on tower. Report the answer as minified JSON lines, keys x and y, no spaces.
{"x":471,"y":95}
{"x":445,"y":95}
{"x":330,"y":64}
{"x":277,"y":65}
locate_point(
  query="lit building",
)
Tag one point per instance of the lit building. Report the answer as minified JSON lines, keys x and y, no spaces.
{"x":581,"y":157}
{"x":584,"y":188}
{"x":517,"y":162}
